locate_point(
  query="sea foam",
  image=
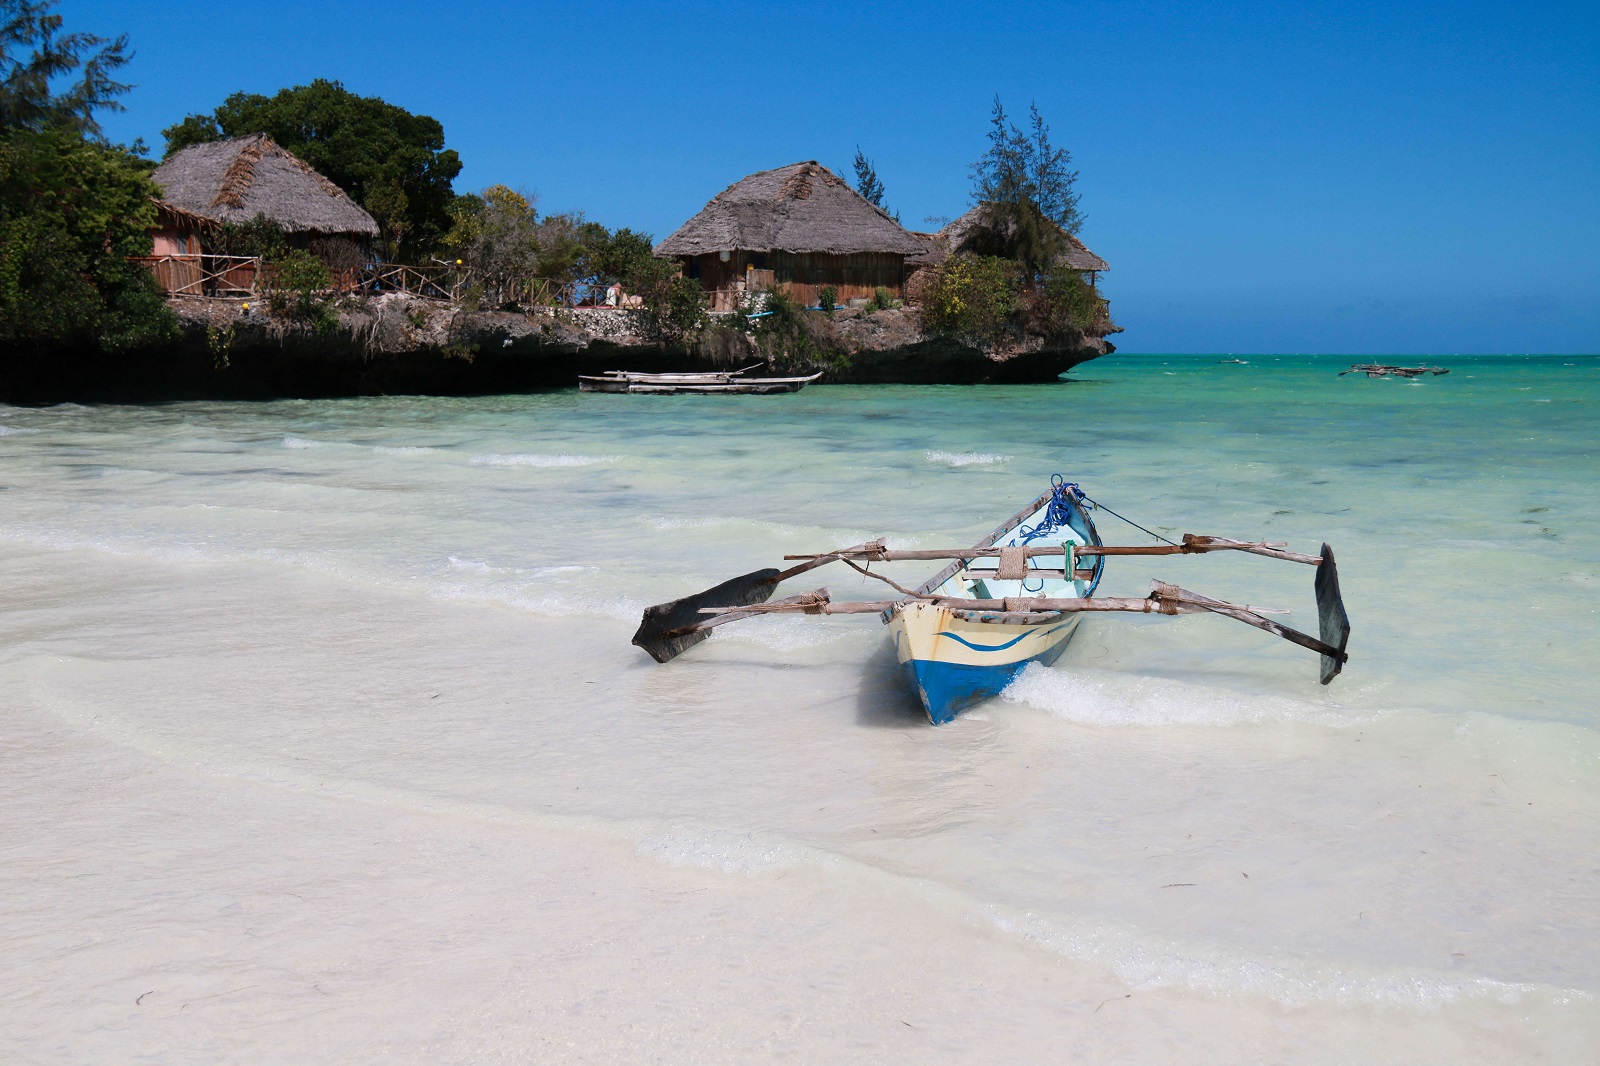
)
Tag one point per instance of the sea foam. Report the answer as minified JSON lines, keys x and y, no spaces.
{"x":1143,"y":961}
{"x":967,"y":458}
{"x":1094,"y":698}
{"x":563,"y":459}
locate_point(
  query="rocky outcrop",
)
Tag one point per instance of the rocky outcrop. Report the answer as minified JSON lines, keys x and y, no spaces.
{"x":395,"y":344}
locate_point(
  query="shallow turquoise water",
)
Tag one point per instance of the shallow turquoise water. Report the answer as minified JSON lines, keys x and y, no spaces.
{"x":258,"y":593}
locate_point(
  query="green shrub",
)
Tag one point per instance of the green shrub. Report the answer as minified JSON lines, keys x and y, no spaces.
{"x":975,"y":296}
{"x":298,"y":287}
{"x":674,"y":306}
{"x":1065,"y":303}
{"x":259,"y":236}
{"x":882,"y":300}
{"x":828,"y":298}
{"x":793,"y":338}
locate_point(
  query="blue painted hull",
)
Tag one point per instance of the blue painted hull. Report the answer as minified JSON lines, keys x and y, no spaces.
{"x":947,"y":689}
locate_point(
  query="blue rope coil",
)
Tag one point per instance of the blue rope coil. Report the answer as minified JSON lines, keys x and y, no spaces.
{"x":1059,"y":512}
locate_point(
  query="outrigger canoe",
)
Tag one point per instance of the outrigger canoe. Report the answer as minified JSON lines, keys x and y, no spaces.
{"x":731,"y":382}
{"x":1014,"y":598}
{"x":954,"y":657}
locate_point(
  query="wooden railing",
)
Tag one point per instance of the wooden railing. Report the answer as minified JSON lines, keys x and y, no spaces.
{"x":203,"y":275}
{"x":577,"y":295}
{"x":438,"y":283}
{"x":233,"y":275}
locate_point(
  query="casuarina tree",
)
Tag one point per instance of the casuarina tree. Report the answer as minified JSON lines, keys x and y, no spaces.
{"x":1024,"y":188}
{"x":867,"y":183}
{"x":51,"y":79}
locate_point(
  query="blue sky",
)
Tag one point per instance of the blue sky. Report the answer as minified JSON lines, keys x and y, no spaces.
{"x":1363,"y":178}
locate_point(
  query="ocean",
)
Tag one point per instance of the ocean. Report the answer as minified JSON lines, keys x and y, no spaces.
{"x":324,"y":740}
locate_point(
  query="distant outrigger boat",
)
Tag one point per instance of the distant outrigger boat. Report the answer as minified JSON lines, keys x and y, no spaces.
{"x":1379,"y":370}
{"x":1014,"y":598}
{"x":731,"y":382}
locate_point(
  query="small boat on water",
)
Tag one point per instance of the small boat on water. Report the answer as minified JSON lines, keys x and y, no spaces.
{"x":1014,"y":598}
{"x":955,"y":658}
{"x":713,"y":382}
{"x":1383,"y":370}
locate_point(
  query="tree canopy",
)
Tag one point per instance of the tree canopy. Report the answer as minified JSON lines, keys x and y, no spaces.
{"x":50,"y":79}
{"x":390,"y":161}
{"x":502,"y":242}
{"x":71,"y":211}
{"x":72,"y":208}
{"x":1023,"y":185}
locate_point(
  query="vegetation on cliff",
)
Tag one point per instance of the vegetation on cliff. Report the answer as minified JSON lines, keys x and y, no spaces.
{"x":501,"y":242}
{"x":72,"y":207}
{"x":509,"y":255}
{"x":1009,"y":282}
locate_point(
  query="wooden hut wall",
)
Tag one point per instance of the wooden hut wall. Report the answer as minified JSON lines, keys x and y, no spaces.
{"x":855,"y":276}
{"x":805,"y":274}
{"x":176,"y":275}
{"x":174,"y":242}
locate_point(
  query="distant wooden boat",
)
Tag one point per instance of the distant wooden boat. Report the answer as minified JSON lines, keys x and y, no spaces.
{"x":731,"y":382}
{"x":1382,"y":370}
{"x":1235,"y":362}
{"x":1014,"y":598}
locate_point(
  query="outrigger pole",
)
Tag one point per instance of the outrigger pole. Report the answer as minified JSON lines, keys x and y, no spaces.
{"x":874,"y":551}
{"x":668,"y":629}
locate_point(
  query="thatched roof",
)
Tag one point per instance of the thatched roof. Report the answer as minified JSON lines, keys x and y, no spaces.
{"x":800,"y":208}
{"x":958,"y":235}
{"x":172,"y":216}
{"x":238,"y":179}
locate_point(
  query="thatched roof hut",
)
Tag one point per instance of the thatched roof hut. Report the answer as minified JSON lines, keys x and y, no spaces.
{"x":801,"y":227}
{"x":801,"y":208}
{"x":958,"y":236}
{"x":238,"y":179}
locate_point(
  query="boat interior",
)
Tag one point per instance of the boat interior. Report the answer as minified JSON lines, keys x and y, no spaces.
{"x":978,"y":580}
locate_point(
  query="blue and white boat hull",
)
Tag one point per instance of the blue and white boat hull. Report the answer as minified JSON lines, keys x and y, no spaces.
{"x":957,"y":658}
{"x":954,"y":663}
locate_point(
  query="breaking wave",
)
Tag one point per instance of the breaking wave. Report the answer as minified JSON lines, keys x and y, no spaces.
{"x":967,"y":458}
{"x":1092,"y":698}
{"x":563,"y":459}
{"x":382,"y":449}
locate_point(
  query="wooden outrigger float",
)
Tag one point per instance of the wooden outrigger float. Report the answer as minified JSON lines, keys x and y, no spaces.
{"x":1014,"y":598}
{"x":711,"y":382}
